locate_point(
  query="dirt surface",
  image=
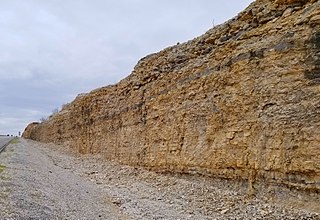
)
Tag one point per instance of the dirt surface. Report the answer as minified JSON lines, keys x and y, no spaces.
{"x":45,"y":181}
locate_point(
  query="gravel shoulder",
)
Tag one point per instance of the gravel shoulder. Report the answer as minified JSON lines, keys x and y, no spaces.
{"x":46,"y":181}
{"x":33,"y":187}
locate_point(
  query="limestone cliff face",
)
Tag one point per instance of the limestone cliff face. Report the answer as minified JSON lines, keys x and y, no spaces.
{"x":240,"y":101}
{"x":28,"y":132}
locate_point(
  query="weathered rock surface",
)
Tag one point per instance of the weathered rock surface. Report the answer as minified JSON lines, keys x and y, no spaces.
{"x":241,"y":101}
{"x":28,"y":131}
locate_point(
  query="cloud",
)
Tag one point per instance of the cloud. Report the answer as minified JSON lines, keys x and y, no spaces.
{"x":52,"y":50}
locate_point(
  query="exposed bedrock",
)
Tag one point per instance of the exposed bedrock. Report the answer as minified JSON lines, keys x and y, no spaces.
{"x":241,"y":101}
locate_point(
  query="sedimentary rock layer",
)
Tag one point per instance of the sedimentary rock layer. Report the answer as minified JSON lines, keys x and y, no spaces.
{"x":240,"y":101}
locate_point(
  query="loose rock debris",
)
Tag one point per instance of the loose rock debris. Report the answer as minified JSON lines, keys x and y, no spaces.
{"x":46,"y":181}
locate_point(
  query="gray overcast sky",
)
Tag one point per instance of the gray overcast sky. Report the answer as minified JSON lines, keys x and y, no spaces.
{"x":52,"y":50}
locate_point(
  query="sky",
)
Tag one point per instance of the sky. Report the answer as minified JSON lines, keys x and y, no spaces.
{"x":52,"y":50}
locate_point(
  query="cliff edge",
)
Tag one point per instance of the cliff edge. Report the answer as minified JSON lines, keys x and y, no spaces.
{"x":241,"y":101}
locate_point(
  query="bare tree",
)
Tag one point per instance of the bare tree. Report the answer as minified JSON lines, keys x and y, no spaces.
{"x":55,"y":111}
{"x":43,"y":119}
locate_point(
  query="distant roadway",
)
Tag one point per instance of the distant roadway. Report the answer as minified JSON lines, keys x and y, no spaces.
{"x":4,"y":140}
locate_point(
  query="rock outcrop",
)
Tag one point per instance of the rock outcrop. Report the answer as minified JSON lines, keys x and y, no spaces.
{"x":28,"y":131}
{"x":241,"y":101}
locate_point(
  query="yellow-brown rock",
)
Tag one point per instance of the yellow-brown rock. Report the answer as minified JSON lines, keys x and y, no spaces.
{"x":28,"y":132}
{"x":240,"y":101}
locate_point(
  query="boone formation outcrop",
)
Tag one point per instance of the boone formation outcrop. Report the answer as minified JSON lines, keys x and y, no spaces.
{"x":241,"y":101}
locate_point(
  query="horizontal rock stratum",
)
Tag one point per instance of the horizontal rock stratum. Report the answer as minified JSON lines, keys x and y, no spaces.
{"x":241,"y":101}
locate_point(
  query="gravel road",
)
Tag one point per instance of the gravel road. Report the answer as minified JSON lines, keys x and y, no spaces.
{"x":34,"y":187}
{"x":46,"y":181}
